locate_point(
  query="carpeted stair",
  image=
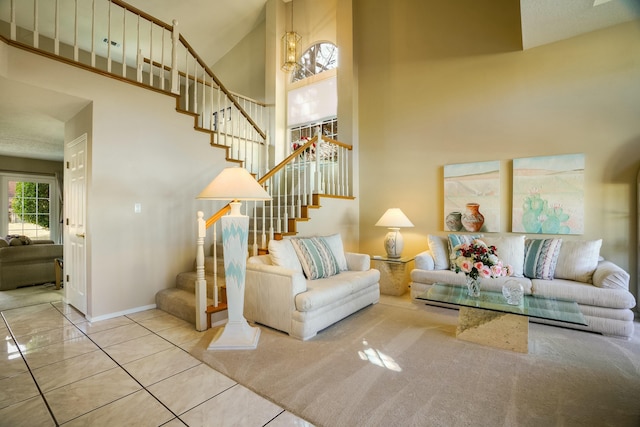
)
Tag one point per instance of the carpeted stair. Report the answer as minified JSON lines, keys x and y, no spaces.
{"x":181,"y":300}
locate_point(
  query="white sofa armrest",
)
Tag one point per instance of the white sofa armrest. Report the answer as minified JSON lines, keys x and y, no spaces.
{"x":611,"y":276}
{"x":358,"y":262}
{"x":270,"y":292}
{"x":424,"y":261}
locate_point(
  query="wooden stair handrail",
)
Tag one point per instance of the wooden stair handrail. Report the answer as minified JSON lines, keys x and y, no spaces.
{"x":215,"y":217}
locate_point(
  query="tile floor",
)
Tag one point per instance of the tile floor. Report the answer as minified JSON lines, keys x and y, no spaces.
{"x":58,"y":369}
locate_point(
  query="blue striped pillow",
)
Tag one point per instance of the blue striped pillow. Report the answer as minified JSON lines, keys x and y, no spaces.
{"x":541,"y":258}
{"x":316,"y":257}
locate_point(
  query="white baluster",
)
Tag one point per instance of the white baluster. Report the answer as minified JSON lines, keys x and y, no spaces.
{"x":13,"y":19}
{"x":75,"y":32}
{"x":151,"y":54}
{"x":93,"y":33}
{"x":201,"y":282}
{"x":175,"y":77}
{"x":139,"y":62}
{"x":56,"y":30}
{"x":162,"y":64}
{"x":109,"y":38}
{"x":124,"y":43}
{"x":36,"y":34}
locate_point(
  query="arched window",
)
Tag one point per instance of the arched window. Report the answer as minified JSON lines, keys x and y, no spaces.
{"x":320,"y":57}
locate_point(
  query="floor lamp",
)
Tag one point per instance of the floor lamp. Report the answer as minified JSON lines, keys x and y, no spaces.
{"x":235,"y":184}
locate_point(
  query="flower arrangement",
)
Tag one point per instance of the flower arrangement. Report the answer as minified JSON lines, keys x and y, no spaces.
{"x":477,"y":259}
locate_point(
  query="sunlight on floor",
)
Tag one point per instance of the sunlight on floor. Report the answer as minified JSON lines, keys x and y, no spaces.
{"x":378,"y":358}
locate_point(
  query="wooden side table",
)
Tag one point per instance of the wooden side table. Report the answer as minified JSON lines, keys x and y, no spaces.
{"x":394,"y":274}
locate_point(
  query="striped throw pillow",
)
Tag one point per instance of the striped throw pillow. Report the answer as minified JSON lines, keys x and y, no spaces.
{"x":541,"y":258}
{"x":316,"y":257}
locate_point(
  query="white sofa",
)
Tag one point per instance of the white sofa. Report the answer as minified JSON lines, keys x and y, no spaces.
{"x":280,"y":295}
{"x":601,"y":288}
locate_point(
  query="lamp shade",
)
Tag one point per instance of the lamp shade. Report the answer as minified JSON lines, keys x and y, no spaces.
{"x":234,"y":184}
{"x":394,"y":218}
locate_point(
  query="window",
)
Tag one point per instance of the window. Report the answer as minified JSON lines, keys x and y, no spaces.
{"x":318,"y":58}
{"x":31,"y":206}
{"x":308,"y":131}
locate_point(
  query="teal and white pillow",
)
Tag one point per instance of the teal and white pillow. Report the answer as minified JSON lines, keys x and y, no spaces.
{"x":316,"y":257}
{"x":541,"y":258}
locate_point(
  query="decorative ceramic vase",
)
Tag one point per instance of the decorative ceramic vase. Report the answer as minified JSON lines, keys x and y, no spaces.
{"x":454,"y":221}
{"x":472,"y":219}
{"x":473,"y":287}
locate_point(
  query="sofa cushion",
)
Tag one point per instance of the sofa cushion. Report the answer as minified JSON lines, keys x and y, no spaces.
{"x":3,"y":243}
{"x":315,"y":256}
{"x":578,"y":260}
{"x":541,"y":257}
{"x":283,"y":255}
{"x":337,"y":249}
{"x":458,"y":239}
{"x":439,"y":252}
{"x":583,"y":293}
{"x":510,"y":251}
{"x":323,"y":292}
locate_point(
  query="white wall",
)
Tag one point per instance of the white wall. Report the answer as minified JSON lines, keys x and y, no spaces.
{"x":142,"y":151}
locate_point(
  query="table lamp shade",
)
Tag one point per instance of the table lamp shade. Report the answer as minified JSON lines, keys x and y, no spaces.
{"x":234,"y":184}
{"x":394,"y":218}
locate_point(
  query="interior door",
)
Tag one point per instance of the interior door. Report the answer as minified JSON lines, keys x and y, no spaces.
{"x":75,"y":248}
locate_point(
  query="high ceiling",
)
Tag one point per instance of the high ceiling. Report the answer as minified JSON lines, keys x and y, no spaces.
{"x":33,"y":124}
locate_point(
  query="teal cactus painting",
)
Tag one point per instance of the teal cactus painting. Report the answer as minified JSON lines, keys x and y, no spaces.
{"x":548,"y":195}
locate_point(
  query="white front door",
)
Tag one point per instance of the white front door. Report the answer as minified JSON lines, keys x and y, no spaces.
{"x":75,"y":248}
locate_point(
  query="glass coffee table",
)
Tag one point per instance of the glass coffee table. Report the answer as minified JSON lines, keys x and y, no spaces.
{"x":489,"y":320}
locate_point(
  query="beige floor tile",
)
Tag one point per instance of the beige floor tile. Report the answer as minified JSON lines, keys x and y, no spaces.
{"x":42,"y":356}
{"x":30,"y":312}
{"x":118,"y":335}
{"x":137,"y":409}
{"x":28,"y":413}
{"x":73,"y":369}
{"x":174,"y":423}
{"x":287,"y":419}
{"x":160,"y":323}
{"x":238,"y":406}
{"x":16,"y":389}
{"x":190,"y":388}
{"x":159,"y":366}
{"x":38,"y":325}
{"x":138,"y":348}
{"x":102,"y":325}
{"x":83,"y":396}
{"x":146,"y":314}
{"x":181,"y":334}
{"x":11,"y":362}
{"x":44,"y":338}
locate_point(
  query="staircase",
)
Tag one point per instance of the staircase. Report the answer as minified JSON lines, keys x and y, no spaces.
{"x":156,"y":56}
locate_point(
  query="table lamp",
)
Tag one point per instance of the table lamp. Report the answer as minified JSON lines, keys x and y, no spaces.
{"x":235,"y":184}
{"x":394,"y":219}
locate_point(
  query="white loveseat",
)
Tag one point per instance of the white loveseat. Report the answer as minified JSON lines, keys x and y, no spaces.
{"x":578,"y":273}
{"x":281,"y":292}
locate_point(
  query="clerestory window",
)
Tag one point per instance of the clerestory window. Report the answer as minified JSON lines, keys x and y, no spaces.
{"x":318,"y":58}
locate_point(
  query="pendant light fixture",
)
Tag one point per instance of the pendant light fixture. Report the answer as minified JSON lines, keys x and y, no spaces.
{"x":290,"y":47}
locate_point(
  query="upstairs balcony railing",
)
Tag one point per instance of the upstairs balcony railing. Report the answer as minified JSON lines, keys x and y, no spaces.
{"x":120,"y":41}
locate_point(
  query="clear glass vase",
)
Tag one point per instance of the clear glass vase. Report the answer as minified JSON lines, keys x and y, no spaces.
{"x":473,"y":286}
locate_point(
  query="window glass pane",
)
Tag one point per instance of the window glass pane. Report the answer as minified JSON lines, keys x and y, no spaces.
{"x":318,"y":58}
{"x":29,"y":209}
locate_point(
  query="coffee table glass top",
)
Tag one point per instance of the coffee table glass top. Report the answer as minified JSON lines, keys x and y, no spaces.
{"x":531,"y":306}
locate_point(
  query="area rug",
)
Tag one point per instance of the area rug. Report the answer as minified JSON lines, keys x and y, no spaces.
{"x":391,"y":365}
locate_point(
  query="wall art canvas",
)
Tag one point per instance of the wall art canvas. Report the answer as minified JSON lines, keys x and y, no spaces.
{"x":548,"y":195}
{"x":472,"y":197}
